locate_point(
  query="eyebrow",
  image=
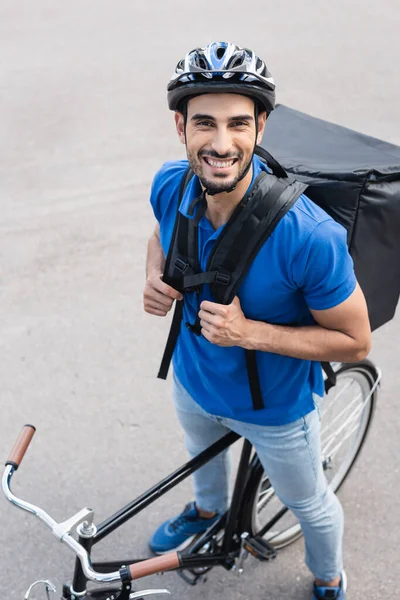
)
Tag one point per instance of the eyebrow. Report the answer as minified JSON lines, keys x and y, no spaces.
{"x":200,"y":116}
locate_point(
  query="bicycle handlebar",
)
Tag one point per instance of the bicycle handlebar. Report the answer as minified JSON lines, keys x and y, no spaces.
{"x":61,"y":530}
{"x":21,"y":446}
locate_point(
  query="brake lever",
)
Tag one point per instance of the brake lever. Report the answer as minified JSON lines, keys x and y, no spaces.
{"x":49,"y":588}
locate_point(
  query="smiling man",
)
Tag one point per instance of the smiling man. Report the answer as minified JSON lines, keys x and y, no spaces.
{"x":302,"y":275}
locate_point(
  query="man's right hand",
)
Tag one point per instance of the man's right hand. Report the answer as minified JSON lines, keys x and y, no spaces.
{"x":158,"y":297}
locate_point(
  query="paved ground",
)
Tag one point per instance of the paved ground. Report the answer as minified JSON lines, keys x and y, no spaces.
{"x":84,"y":126}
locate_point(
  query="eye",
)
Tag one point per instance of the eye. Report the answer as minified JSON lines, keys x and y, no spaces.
{"x":204,"y":124}
{"x":239,"y":124}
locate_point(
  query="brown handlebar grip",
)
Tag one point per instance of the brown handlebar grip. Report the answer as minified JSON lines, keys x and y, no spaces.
{"x":154,"y":565}
{"x":21,"y":446}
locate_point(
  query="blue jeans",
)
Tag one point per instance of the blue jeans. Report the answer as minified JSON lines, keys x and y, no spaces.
{"x":290,"y":455}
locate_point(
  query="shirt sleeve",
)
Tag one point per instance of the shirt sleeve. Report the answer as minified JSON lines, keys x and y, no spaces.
{"x":323,"y":269}
{"x":165,"y":187}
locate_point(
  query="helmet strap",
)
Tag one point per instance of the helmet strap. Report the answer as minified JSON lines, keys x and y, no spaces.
{"x":184,"y":111}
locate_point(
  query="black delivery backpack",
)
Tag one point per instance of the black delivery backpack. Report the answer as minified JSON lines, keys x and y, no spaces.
{"x":353,"y":177}
{"x":356,"y":179}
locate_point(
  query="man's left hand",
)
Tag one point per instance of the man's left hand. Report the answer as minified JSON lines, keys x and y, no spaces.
{"x":223,"y":325}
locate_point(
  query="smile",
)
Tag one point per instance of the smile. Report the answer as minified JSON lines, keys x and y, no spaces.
{"x":219,"y":164}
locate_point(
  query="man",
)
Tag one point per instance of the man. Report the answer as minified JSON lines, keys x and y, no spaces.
{"x":303,"y":274}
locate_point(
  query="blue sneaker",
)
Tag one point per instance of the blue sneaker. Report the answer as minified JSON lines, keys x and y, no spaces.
{"x":178,"y":532}
{"x":331,"y":593}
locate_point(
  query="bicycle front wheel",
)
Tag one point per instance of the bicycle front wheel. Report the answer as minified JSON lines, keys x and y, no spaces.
{"x":346,"y":413}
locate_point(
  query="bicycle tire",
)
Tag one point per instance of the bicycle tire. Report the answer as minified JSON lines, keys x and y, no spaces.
{"x":258,"y":488}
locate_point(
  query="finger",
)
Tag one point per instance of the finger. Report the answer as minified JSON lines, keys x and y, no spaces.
{"x":213,"y":307}
{"x":211,"y":336}
{"x":152,"y":304}
{"x":166,"y":289}
{"x":153,"y":296}
{"x":207,"y":334}
{"x":236,"y":301}
{"x":219,"y":309}
{"x":208,"y":317}
{"x":206,"y":326}
{"x":155,"y":310}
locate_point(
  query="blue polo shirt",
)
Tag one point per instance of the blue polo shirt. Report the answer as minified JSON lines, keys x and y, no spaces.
{"x":304,"y":264}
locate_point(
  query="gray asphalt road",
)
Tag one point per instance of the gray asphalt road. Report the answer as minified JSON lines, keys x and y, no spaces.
{"x":84,"y":126}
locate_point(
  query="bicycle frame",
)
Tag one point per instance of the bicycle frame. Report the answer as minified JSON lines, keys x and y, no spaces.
{"x":228,"y":521}
{"x":225,"y":543}
{"x":228,"y":550}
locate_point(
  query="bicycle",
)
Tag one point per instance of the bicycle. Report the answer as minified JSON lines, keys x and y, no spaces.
{"x":256,"y":523}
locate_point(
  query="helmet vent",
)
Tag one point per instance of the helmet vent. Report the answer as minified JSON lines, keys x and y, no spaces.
{"x":260,"y":66}
{"x":202,"y":63}
{"x":220,"y":52}
{"x":235,"y":62}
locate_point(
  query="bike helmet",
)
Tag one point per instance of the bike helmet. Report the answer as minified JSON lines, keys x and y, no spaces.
{"x":221,"y":67}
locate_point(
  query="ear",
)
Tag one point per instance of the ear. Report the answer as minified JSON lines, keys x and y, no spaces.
{"x":180,"y":126}
{"x":262,"y":118}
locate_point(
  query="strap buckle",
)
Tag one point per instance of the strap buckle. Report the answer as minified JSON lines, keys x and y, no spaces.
{"x":222,"y":279}
{"x":181,"y":265}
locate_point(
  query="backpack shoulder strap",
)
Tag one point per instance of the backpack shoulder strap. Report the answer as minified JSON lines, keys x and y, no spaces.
{"x":269,"y":207}
{"x":241,"y":244}
{"x":235,"y":251}
{"x":179,"y":240}
{"x":273,"y":164}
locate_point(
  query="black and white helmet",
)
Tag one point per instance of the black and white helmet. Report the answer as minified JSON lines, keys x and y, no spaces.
{"x":222,"y":67}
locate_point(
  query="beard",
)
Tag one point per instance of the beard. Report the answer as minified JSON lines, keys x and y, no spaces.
{"x":220,"y":183}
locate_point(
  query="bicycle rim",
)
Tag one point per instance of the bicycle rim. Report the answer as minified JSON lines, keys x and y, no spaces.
{"x":346,"y":413}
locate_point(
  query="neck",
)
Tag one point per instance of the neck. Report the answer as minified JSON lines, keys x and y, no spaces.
{"x":221,"y":206}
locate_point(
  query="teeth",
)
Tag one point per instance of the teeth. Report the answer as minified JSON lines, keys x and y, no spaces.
{"x":220,"y":164}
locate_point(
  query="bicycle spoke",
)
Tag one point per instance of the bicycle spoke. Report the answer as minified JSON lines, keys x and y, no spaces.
{"x":338,"y":446}
{"x":338,"y":432}
{"x":345,"y":416}
{"x":331,"y":423}
{"x":264,"y":498}
{"x":355,"y":414}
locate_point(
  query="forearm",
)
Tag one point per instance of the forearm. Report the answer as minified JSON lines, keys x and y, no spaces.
{"x":307,"y":343}
{"x":155,"y":257}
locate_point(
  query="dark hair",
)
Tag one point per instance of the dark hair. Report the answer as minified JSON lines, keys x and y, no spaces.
{"x":182,"y":106}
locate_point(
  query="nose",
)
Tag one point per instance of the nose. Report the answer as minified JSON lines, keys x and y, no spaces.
{"x":222,"y":141}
